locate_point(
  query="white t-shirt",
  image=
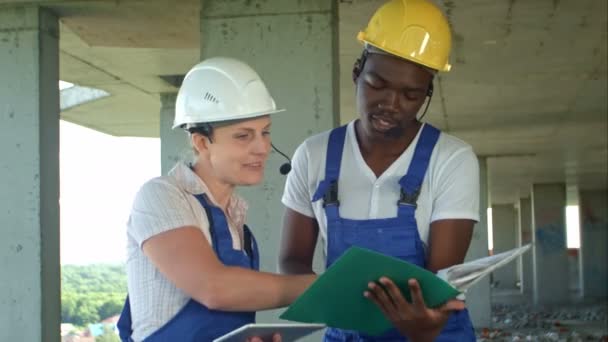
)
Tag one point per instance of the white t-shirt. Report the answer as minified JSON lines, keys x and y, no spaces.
{"x":163,"y":204}
{"x":450,"y":189}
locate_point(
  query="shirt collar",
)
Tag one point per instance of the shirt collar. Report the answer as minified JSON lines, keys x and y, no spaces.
{"x":191,"y":183}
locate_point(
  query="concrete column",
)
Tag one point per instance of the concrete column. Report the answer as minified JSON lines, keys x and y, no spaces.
{"x":292,"y":44}
{"x":575,"y":263}
{"x":173,"y":143}
{"x":504,"y":224}
{"x":594,"y":243}
{"x":29,"y":168}
{"x":550,"y":262}
{"x":518,"y":239}
{"x":525,"y":222}
{"x":478,"y":296}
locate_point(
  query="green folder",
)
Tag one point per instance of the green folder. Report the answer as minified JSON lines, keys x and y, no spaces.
{"x":336,"y":297}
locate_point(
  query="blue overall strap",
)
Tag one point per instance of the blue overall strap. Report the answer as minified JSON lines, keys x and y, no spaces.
{"x":124,"y":324}
{"x":335,"y":146}
{"x":218,"y":236}
{"x":221,"y":238}
{"x":412,"y":181}
{"x":251,"y":248}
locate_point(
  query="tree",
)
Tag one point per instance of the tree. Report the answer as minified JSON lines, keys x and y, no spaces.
{"x":92,"y":292}
{"x":111,"y":307}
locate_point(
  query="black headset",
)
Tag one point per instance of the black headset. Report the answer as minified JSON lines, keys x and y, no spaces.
{"x":357,"y":68}
{"x":285,"y":167}
{"x":206,"y":130}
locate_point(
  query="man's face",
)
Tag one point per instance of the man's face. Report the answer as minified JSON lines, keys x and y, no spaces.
{"x":390,"y":92}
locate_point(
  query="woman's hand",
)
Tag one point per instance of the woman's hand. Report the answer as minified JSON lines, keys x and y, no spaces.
{"x":413,"y":320}
{"x":275,"y":338}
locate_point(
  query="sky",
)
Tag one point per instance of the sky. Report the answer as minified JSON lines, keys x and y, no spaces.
{"x":100,"y":175}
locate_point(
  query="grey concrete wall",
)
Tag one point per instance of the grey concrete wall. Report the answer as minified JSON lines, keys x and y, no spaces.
{"x":525,"y":221}
{"x":293,"y":46}
{"x":504,"y":229}
{"x":29,"y":169}
{"x":478,"y":296}
{"x":174,"y":143}
{"x":594,"y":243}
{"x":550,"y":262}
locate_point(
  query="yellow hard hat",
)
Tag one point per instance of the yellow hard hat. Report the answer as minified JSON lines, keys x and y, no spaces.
{"x":416,"y":30}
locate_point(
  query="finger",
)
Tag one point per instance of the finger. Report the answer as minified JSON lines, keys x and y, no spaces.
{"x":276,"y":337}
{"x":377,"y":294}
{"x":383,"y":296}
{"x":403,"y":306}
{"x":372,"y":297}
{"x":417,"y":299}
{"x":394,"y":291}
{"x":453,"y":305}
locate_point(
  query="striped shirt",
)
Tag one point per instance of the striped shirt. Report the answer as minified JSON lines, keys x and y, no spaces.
{"x":163,"y":204}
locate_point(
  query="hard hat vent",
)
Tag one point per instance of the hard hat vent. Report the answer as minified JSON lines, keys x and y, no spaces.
{"x":210,"y":98}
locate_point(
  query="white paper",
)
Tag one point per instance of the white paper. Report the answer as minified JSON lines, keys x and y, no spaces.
{"x":463,"y":276}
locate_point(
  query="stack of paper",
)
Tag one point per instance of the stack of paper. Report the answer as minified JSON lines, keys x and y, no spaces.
{"x":465,"y":275}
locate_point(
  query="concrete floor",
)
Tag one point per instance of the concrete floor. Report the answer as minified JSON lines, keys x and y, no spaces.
{"x":515,"y":319}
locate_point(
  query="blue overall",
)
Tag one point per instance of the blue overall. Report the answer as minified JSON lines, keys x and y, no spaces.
{"x":195,"y":322}
{"x":397,"y":236}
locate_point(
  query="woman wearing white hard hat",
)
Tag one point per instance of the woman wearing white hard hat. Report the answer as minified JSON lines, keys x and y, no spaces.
{"x":192,"y":263}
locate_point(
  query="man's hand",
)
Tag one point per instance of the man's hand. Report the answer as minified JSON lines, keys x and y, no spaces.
{"x":413,"y":320}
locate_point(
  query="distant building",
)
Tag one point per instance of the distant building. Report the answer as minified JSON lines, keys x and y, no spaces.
{"x":97,"y":329}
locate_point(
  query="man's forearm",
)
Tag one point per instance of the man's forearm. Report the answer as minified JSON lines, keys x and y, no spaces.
{"x":288,"y":266}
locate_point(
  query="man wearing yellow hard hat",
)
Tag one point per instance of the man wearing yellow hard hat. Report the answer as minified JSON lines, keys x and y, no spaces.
{"x":387,"y":181}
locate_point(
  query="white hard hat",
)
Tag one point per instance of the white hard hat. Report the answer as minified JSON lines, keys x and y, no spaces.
{"x":221,"y":89}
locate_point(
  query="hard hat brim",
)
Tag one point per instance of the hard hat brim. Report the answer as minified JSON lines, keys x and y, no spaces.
{"x":240,"y":117}
{"x":362,"y":39}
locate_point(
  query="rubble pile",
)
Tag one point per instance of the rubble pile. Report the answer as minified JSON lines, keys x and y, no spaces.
{"x":526,"y":323}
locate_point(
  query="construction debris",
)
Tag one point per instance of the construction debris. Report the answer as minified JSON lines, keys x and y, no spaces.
{"x":526,"y":323}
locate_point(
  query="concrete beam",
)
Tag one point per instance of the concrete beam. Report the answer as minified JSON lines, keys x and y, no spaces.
{"x":478,"y":296}
{"x":30,"y":305}
{"x":525,"y":221}
{"x":173,"y":143}
{"x":550,"y":262}
{"x":504,"y":229}
{"x":594,"y":243}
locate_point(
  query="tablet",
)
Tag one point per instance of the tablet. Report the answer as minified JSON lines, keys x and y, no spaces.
{"x":289,"y":331}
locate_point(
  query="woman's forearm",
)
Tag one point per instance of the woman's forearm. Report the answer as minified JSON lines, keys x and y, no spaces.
{"x":240,"y":289}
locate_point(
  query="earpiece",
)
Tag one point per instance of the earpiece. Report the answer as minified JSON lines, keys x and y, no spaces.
{"x":359,"y":64}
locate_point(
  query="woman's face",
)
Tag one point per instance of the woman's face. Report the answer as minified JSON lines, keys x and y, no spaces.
{"x":238,"y":152}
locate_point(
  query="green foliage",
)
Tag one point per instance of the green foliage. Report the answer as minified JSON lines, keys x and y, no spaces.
{"x":91,"y":293}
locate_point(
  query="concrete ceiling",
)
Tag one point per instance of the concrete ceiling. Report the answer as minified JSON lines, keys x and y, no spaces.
{"x":528,"y":86}
{"x":127,"y":48}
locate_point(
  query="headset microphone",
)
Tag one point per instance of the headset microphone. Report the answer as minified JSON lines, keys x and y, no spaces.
{"x":286,"y":167}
